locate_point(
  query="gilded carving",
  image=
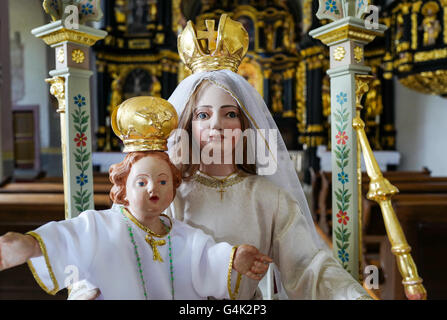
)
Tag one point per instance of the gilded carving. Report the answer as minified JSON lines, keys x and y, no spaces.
{"x":301,"y":96}
{"x":348,"y":32}
{"x":61,"y":55}
{"x":156,"y":87}
{"x":78,"y":56}
{"x":358,"y":54}
{"x":429,"y":82}
{"x":430,"y":24}
{"x":277,"y":88}
{"x":251,"y":70}
{"x":63,"y":35}
{"x":57,"y":89}
{"x":339,"y":53}
{"x":430,"y":55}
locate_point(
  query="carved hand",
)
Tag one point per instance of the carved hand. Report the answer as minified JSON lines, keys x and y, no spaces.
{"x":249,"y":261}
{"x":16,"y":248}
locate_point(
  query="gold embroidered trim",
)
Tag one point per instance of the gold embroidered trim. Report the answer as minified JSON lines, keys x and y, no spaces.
{"x":217,"y":183}
{"x":146,"y":229}
{"x":150,"y":234}
{"x":233,"y":295}
{"x":43,"y":248}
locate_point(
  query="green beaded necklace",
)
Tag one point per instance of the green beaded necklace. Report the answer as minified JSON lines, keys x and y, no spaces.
{"x":138,"y":259}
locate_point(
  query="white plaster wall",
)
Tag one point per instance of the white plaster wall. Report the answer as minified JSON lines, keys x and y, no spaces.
{"x":421,"y":124}
{"x":25,"y":15}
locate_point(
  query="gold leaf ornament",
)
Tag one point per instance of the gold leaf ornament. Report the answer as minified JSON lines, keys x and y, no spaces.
{"x":61,"y":55}
{"x":78,"y":56}
{"x":358,"y":54}
{"x":339,"y":53}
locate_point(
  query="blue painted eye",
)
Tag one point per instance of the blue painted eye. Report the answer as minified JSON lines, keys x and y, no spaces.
{"x":202,"y":115}
{"x":163,"y":182}
{"x":141,"y":183}
{"x":232,"y":114}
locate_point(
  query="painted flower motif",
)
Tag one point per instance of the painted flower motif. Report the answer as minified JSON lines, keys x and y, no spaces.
{"x":86,"y":9}
{"x":342,"y":98}
{"x":342,"y":217}
{"x":341,"y":137}
{"x":331,"y":5}
{"x":80,"y":139}
{"x":343,"y":255}
{"x":360,"y":3}
{"x":79,"y":100}
{"x":343,"y":177}
{"x":81,"y":179}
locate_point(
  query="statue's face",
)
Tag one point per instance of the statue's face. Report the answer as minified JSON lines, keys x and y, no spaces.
{"x":149,"y":186}
{"x":216,"y":121}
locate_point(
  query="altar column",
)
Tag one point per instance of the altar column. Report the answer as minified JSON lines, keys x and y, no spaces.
{"x":346,"y":38}
{"x":70,"y":84}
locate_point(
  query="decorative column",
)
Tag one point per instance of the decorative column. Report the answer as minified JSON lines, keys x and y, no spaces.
{"x":346,"y":37}
{"x":70,"y":84}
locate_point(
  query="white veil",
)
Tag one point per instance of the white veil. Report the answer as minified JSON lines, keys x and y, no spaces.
{"x":255,"y":109}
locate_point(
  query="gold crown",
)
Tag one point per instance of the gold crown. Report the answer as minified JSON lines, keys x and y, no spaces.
{"x":144,"y":123}
{"x":213,"y":50}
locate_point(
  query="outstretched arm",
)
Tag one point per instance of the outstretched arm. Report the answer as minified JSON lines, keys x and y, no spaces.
{"x":16,"y":249}
{"x":249,"y":261}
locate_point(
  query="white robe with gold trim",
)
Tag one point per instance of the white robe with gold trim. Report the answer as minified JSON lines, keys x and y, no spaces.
{"x":257,"y":212}
{"x":96,"y":247}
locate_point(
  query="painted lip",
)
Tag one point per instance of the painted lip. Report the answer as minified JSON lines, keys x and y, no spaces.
{"x":154,"y":198}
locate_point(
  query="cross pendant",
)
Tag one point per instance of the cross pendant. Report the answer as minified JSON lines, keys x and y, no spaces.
{"x":221,"y":193}
{"x":154,"y":243}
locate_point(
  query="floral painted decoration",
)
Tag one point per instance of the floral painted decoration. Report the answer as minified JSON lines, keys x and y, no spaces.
{"x":80,"y":154}
{"x":342,"y":193}
{"x":361,"y":8}
{"x":79,"y":100}
{"x":88,"y":10}
{"x":330,"y":9}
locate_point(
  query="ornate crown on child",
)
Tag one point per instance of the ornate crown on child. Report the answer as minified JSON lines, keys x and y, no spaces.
{"x":144,"y":123}
{"x":213,"y":50}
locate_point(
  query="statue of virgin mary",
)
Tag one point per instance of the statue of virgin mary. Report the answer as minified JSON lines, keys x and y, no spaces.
{"x":261,"y":201}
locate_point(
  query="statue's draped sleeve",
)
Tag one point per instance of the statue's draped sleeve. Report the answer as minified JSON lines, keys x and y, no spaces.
{"x":306,"y":271}
{"x":68,"y":249}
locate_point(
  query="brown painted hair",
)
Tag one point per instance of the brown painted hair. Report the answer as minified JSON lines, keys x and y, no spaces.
{"x":119,"y":172}
{"x":185,"y":123}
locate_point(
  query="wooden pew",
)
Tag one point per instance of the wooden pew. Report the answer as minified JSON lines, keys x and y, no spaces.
{"x":423,"y":218}
{"x":421,"y":207}
{"x":316,"y":178}
{"x":98,"y":177}
{"x":49,"y":187}
{"x":406,"y":183}
{"x":23,"y":212}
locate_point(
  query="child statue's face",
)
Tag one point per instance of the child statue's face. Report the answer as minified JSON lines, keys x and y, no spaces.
{"x":149,"y":186}
{"x":215,"y":111}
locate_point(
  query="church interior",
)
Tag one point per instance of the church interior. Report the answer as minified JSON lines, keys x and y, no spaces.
{"x":404,"y":110}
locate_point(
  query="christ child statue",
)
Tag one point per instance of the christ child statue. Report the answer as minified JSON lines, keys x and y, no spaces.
{"x":134,"y":251}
